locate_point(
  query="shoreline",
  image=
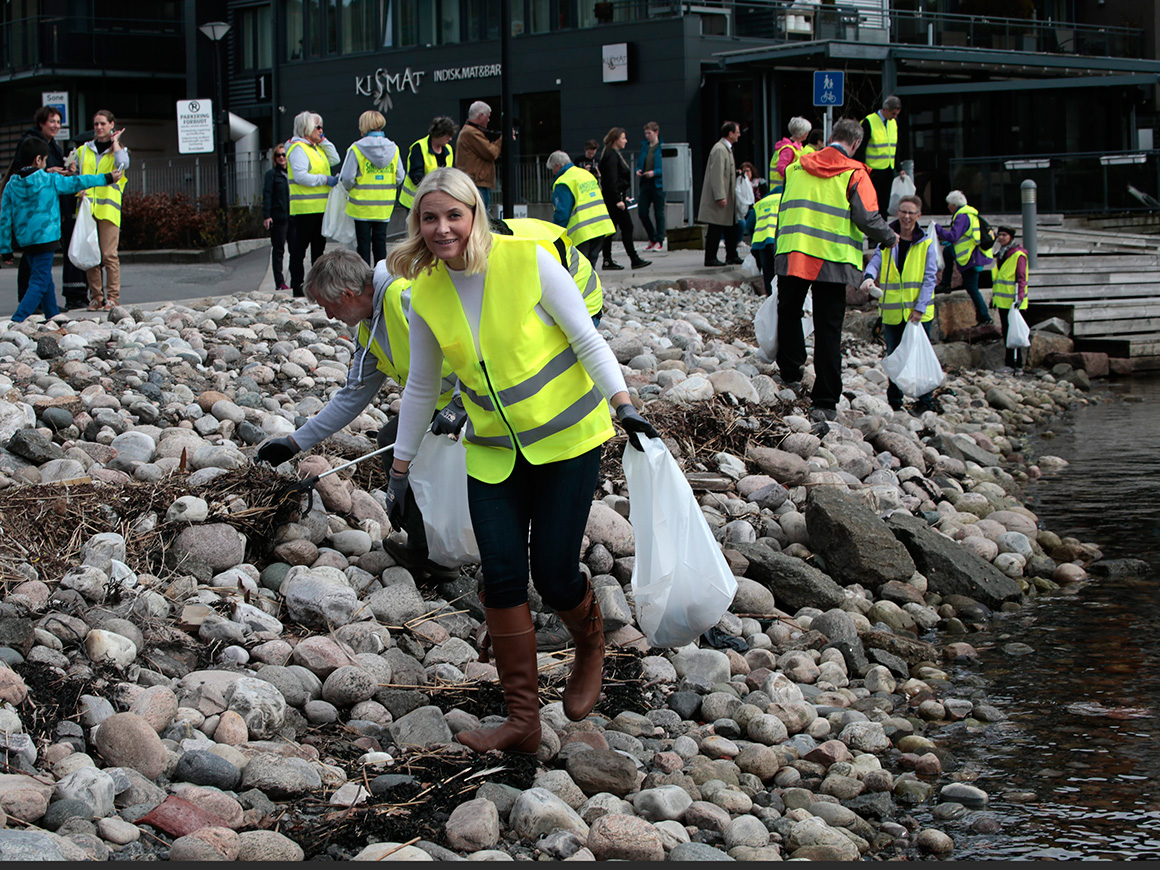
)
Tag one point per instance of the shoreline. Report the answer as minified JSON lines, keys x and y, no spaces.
{"x":801,"y":733}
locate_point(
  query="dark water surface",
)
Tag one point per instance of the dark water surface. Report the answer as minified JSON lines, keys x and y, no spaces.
{"x":1074,"y":774}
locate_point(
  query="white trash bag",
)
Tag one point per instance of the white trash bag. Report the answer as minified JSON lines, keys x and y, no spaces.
{"x":765,"y":327}
{"x":681,"y":582}
{"x":749,"y":267}
{"x":336,"y":223}
{"x":900,"y":187}
{"x":439,"y":480}
{"x":913,"y":366}
{"x":808,"y":315}
{"x":743,"y":197}
{"x":1018,"y":332}
{"x":84,"y":249}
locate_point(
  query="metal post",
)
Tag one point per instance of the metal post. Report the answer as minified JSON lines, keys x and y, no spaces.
{"x":829,"y":125}
{"x":1028,"y":194}
{"x":222,"y":131}
{"x":505,"y":38}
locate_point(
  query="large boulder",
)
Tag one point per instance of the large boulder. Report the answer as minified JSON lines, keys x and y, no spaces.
{"x":854,"y":542}
{"x":949,"y":567}
{"x":794,"y":583}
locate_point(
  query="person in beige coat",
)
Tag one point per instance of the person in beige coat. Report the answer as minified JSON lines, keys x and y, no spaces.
{"x":476,"y":151}
{"x":718,"y":195}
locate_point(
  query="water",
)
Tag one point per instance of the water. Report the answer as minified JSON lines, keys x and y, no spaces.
{"x":1075,"y":772}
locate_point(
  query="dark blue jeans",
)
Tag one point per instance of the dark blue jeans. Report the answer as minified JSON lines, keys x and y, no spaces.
{"x":892,"y":334}
{"x":41,"y":290}
{"x":368,"y":235}
{"x":652,"y":194}
{"x":485,"y":195}
{"x":551,"y":502}
{"x":971,"y":285}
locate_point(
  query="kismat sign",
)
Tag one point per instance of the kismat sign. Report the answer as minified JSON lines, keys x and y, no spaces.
{"x":380,"y":84}
{"x":615,"y":62}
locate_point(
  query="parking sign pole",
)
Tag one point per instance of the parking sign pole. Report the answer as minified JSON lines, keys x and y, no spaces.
{"x":829,"y":125}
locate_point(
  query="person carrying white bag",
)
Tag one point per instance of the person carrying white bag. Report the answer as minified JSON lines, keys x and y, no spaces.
{"x":903,"y":279}
{"x":376,"y":304}
{"x":1009,"y":280}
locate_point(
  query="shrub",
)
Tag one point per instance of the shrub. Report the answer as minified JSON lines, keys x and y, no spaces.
{"x":162,"y":220}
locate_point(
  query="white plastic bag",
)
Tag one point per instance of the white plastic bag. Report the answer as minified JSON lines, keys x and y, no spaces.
{"x":1018,"y":332}
{"x":765,"y":327}
{"x":681,"y":582}
{"x":808,"y":315}
{"x":913,"y":366}
{"x":84,"y":249}
{"x":439,"y":480}
{"x":900,"y":187}
{"x":743,"y":197}
{"x":749,"y":267}
{"x":336,"y":223}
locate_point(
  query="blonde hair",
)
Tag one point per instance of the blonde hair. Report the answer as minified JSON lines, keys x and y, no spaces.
{"x":371,"y":120}
{"x":413,"y":256}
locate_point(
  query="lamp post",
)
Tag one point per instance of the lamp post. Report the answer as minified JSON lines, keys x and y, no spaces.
{"x":216,"y":31}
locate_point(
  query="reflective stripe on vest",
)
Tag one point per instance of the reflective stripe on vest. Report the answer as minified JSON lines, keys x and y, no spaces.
{"x":589,"y":218}
{"x":394,"y":361}
{"x":815,"y":218}
{"x":901,"y":291}
{"x":765,"y":219}
{"x":430,"y":164}
{"x":1004,"y":284}
{"x":966,"y":245}
{"x":883,"y":142}
{"x":304,"y":199}
{"x":775,"y":177}
{"x":375,"y":190}
{"x":578,"y":266}
{"x":528,"y":391}
{"x":105,"y":201}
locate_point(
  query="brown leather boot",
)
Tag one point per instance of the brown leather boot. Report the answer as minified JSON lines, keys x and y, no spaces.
{"x":513,"y":643}
{"x":587,"y":626}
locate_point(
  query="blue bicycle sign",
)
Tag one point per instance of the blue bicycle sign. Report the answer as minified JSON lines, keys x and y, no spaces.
{"x":829,"y":87}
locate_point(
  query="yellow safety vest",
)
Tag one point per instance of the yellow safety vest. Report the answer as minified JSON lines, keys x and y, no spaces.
{"x":375,"y":190}
{"x":900,"y":291}
{"x":395,"y":361}
{"x":589,"y":218}
{"x":105,"y":200}
{"x":765,"y":220}
{"x":430,"y":164}
{"x":1005,"y":289}
{"x":526,"y":389}
{"x":966,"y":244}
{"x":815,"y":218}
{"x":553,"y":238}
{"x":883,"y":142}
{"x":303,"y":198}
{"x":776,"y":179}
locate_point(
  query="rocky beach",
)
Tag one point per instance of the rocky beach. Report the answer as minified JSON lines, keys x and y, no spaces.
{"x":199,"y":663}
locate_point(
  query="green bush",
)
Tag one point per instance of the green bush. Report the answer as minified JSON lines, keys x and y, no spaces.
{"x":161,"y":220}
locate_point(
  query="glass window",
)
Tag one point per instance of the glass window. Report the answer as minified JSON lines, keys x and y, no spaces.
{"x":389,"y":24}
{"x":449,"y":22}
{"x":332,"y":27}
{"x":315,"y":25}
{"x":254,"y":49}
{"x":541,"y":16}
{"x":295,"y":29}
{"x":416,"y":22}
{"x":358,"y":25}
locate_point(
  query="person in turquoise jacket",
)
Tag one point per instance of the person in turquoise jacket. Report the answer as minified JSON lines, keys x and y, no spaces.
{"x":30,"y":214}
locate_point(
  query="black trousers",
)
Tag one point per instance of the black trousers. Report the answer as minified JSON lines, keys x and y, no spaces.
{"x":829,"y":312}
{"x":766,"y":256}
{"x":305,"y":232}
{"x":1016,"y":357}
{"x":371,"y":240}
{"x":278,"y":231}
{"x":883,"y":180}
{"x":591,"y":248}
{"x":623,"y":222}
{"x":731,"y":234}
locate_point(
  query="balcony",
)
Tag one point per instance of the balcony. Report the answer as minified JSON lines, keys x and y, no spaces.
{"x":97,"y":43}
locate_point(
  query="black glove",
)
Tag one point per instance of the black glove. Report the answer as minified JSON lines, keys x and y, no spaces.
{"x":451,"y":419}
{"x":397,"y":497}
{"x":277,"y":450}
{"x":635,"y":425}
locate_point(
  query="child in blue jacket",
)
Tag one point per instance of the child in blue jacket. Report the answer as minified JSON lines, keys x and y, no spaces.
{"x":30,"y":213}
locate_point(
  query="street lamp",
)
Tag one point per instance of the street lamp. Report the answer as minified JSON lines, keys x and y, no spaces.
{"x":216,"y":31}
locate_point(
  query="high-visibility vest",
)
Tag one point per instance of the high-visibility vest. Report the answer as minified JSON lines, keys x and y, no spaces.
{"x":765,"y":220}
{"x":554,"y":239}
{"x":901,"y":290}
{"x":305,"y":199}
{"x":395,"y":361}
{"x":776,"y":179}
{"x":430,"y":164}
{"x":105,"y":200}
{"x":815,"y":218}
{"x":375,"y":190}
{"x":1005,"y":289}
{"x":589,"y":218}
{"x":883,"y":142}
{"x":969,"y":240}
{"x":526,"y":389}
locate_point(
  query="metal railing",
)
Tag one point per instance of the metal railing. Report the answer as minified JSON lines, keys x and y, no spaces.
{"x":136,"y":44}
{"x":1069,"y":183}
{"x":196,"y":176}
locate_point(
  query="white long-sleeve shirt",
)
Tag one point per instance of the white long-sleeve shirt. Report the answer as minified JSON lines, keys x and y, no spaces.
{"x":300,"y":162}
{"x":560,"y":303}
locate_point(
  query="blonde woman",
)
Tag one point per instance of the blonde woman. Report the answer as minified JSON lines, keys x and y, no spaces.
{"x":535,"y":376}
{"x":311,"y":157}
{"x":372,"y":172}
